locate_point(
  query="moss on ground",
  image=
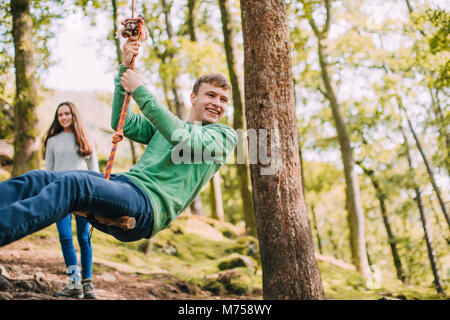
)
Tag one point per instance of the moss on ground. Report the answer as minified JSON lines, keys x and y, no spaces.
{"x":214,"y":264}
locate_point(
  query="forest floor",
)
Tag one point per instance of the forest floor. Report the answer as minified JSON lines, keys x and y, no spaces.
{"x":36,"y":273}
{"x":197,"y":258}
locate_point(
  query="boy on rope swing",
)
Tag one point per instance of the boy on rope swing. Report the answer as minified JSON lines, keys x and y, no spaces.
{"x":180,"y":158}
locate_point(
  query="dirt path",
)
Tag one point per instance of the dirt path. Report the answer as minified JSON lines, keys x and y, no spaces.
{"x":35,"y":273}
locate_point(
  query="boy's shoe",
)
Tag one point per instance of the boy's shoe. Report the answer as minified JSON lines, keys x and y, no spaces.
{"x":88,"y":289}
{"x":71,"y":290}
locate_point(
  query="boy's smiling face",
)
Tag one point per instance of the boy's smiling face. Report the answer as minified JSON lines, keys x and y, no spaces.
{"x":208,"y":105}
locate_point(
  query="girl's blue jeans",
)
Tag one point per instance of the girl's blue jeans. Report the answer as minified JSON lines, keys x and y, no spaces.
{"x":66,"y":239}
{"x":37,"y":199}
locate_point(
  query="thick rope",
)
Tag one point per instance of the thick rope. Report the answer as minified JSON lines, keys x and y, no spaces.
{"x":118,"y":136}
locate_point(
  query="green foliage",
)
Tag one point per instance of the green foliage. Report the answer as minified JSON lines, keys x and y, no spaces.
{"x":370,"y":71}
{"x":45,"y":15}
{"x":373,"y":57}
{"x":439,"y":42}
{"x":6,"y":48}
{"x":6,"y":120}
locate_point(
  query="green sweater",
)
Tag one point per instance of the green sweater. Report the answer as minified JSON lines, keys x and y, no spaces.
{"x":171,"y":183}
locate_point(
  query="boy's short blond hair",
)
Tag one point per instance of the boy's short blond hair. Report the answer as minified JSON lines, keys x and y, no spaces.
{"x":215,"y":79}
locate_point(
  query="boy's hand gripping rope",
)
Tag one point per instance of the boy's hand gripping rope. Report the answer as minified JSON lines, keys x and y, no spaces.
{"x":132,"y":28}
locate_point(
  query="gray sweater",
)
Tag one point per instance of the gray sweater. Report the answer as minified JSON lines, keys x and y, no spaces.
{"x":61,"y":154}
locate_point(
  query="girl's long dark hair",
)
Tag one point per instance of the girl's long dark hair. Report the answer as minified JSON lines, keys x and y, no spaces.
{"x":81,"y":141}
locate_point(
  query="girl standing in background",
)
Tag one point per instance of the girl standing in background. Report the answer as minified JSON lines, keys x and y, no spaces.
{"x":67,"y":147}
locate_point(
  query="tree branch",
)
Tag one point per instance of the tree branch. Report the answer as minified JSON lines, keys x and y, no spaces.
{"x":326,"y":27}
{"x":323,"y":92}
{"x":308,"y":14}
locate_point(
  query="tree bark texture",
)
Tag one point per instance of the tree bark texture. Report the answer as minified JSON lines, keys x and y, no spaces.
{"x":238,"y":120}
{"x":289,"y":266}
{"x":26,"y":155}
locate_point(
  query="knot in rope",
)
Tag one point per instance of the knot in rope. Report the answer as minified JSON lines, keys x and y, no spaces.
{"x":117,"y":137}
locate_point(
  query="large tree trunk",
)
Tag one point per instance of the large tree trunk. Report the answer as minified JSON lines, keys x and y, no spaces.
{"x":238,"y":120}
{"x":289,"y":266}
{"x":381,"y":196}
{"x":427,"y":164}
{"x":26,"y":155}
{"x":353,"y":198}
{"x":428,"y":240}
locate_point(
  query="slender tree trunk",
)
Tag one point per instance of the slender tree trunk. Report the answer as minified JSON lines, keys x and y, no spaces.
{"x":381,"y":196}
{"x":427,"y":164}
{"x":408,"y":4}
{"x":316,"y":228}
{"x":300,"y":154}
{"x":216,"y":198}
{"x":369,"y":260}
{"x":179,"y":104}
{"x":119,"y":56}
{"x":443,"y":129}
{"x":428,"y":240}
{"x":334,"y":246}
{"x":444,"y":134}
{"x":354,"y":206}
{"x":353,"y":198}
{"x":191,"y":19}
{"x":116,"y":40}
{"x":238,"y":120}
{"x":196,"y":205}
{"x":289,"y":266}
{"x":163,"y":56}
{"x":169,"y":103}
{"x":437,"y":221}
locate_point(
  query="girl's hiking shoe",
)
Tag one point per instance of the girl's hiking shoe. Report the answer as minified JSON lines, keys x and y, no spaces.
{"x":71,"y":290}
{"x":88,"y":289}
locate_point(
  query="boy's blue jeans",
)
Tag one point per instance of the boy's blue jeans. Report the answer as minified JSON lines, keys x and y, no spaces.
{"x":39,"y":198}
{"x":66,"y":239}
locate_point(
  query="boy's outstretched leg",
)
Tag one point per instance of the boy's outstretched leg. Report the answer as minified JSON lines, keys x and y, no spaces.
{"x":75,"y":191}
{"x":27,"y":185}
